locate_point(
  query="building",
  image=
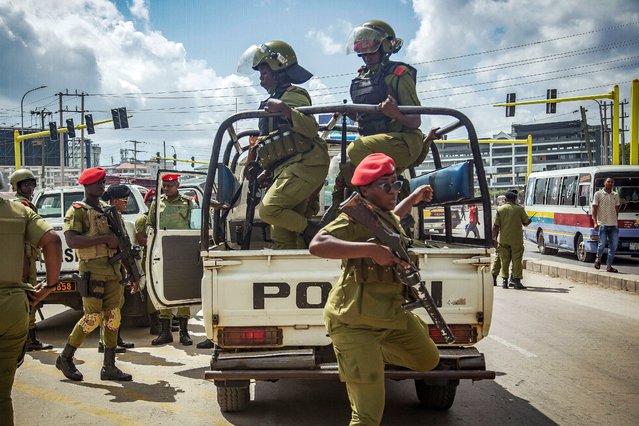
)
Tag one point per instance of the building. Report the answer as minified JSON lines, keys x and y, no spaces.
{"x":557,"y":145}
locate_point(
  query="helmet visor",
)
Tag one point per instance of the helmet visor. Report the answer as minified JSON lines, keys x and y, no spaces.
{"x":255,"y":55}
{"x":245,"y":65}
{"x":364,"y":40}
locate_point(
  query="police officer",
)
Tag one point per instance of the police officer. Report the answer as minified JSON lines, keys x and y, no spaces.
{"x":387,"y":84}
{"x":20,"y":227}
{"x":175,"y":213}
{"x":289,"y":146}
{"x":23,"y":182}
{"x":87,"y":231}
{"x":118,"y":196}
{"x":363,"y":314}
{"x":508,"y":233}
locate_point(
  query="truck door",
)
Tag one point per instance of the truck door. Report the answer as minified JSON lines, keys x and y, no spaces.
{"x":173,"y":263}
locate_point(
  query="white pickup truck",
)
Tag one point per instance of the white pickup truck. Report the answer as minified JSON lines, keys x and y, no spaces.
{"x":52,"y":205}
{"x":263,"y":307}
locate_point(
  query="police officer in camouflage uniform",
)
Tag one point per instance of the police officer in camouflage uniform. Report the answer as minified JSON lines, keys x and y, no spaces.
{"x":23,"y":182}
{"x":363,"y":314}
{"x":175,"y":213}
{"x":387,"y":84}
{"x":87,"y":231}
{"x":20,"y":228}
{"x":509,"y":234}
{"x":289,"y":146}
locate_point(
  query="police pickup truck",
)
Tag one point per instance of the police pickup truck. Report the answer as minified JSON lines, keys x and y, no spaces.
{"x":52,"y":205}
{"x":263,"y":307}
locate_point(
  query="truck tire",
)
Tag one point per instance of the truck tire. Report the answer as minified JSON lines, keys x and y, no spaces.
{"x":233,"y":399}
{"x":541,"y":245}
{"x":580,"y":251}
{"x":436,"y":397}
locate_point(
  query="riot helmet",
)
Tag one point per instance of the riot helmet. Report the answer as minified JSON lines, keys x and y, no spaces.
{"x":20,"y":175}
{"x":372,"y":36}
{"x":279,"y":56}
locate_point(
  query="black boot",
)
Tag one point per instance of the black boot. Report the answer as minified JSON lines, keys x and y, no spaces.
{"x":117,"y":349}
{"x":494,"y":280}
{"x":504,"y":283}
{"x":109,"y":371}
{"x":185,"y":339}
{"x":34,"y":344}
{"x":516,"y":282}
{"x":309,"y":232}
{"x":206,"y":344}
{"x":165,"y":335}
{"x":154,"y":324}
{"x":122,"y":344}
{"x":65,"y":364}
{"x":175,"y":324}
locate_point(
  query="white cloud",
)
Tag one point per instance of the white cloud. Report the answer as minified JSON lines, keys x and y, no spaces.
{"x":140,"y":10}
{"x":328,"y":45}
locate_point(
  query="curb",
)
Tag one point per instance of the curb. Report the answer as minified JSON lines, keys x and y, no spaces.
{"x":584,"y":275}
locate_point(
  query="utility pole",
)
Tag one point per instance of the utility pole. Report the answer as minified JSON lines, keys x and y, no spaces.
{"x":135,"y":156}
{"x":622,"y":130}
{"x":62,"y":177}
{"x":43,"y":153}
{"x":164,"y":145}
{"x":82,"y":95}
{"x":584,"y":128}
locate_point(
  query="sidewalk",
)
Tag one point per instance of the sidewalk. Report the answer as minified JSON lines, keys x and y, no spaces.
{"x":584,"y":275}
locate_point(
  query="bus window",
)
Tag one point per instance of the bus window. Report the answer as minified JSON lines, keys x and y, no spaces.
{"x":568,"y":190}
{"x":540,"y":191}
{"x":584,"y":194}
{"x":530,"y":192}
{"x":552,"y":198}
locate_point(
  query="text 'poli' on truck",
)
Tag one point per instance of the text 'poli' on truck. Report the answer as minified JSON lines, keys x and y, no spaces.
{"x":263,"y":307}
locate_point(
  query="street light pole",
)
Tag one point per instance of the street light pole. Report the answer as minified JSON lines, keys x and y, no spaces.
{"x":22,"y":114}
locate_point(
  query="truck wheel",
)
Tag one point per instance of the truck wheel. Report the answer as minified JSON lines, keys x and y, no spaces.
{"x":541,"y":245}
{"x":438,"y":397}
{"x":232,"y":398}
{"x":580,"y":251}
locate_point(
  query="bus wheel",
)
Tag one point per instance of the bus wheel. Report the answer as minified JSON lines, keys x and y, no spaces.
{"x":541,"y":245}
{"x":581,"y":252}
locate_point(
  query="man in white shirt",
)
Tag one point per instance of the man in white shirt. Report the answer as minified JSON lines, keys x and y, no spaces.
{"x":605,"y":212}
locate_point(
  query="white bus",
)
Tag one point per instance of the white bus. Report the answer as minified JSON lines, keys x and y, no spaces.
{"x":559,"y":203}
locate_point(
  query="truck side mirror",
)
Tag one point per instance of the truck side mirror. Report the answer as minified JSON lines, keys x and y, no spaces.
{"x":583,"y":201}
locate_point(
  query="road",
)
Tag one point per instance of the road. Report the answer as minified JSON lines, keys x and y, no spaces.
{"x":564,"y":353}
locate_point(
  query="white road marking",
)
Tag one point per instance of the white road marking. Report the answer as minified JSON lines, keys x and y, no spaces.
{"x":512,"y":346}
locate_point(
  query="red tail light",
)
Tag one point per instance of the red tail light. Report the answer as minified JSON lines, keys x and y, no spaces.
{"x":249,"y":337}
{"x":464,"y":333}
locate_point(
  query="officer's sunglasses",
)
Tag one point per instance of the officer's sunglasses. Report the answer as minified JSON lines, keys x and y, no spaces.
{"x":386,"y":187}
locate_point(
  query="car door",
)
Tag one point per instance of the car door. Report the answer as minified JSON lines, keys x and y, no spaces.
{"x":173,"y":264}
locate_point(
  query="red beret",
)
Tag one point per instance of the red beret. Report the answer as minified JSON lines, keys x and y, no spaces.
{"x":150,"y":194}
{"x":92,"y":175}
{"x":372,"y":168}
{"x":170,"y":177}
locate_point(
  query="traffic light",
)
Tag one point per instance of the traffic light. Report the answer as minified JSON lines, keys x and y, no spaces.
{"x":70,"y":128}
{"x":551,"y":94}
{"x":88,"y":119}
{"x":157,"y":157}
{"x":510,"y":110}
{"x":193,"y":161}
{"x":53,"y":132}
{"x":120,"y":120}
{"x":175,"y":159}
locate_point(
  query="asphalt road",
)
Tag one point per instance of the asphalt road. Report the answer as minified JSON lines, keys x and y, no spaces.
{"x":564,"y":353}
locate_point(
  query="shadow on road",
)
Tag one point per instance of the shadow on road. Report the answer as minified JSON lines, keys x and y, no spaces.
{"x":546,"y":289}
{"x":322,"y":403}
{"x":135,"y":391}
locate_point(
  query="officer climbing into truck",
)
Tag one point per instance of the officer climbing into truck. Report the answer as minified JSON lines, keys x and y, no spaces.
{"x":23,"y":182}
{"x":289,"y":146}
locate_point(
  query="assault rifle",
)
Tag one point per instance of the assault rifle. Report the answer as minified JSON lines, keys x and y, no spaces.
{"x":361,"y":211}
{"x":126,"y":253}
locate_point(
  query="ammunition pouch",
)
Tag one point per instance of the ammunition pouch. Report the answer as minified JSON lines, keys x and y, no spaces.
{"x":280,"y":146}
{"x":367,"y":126}
{"x":91,"y":288}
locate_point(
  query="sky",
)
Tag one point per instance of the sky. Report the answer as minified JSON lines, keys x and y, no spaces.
{"x":173,"y":64}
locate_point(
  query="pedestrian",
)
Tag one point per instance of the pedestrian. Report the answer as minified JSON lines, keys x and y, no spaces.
{"x":463,"y":212}
{"x":23,"y":182}
{"x":86,"y":230}
{"x":289,"y":146}
{"x":363,"y":314}
{"x":118,"y":196}
{"x":21,"y":229}
{"x":174,"y":213}
{"x":473,"y":221}
{"x":605,"y":215}
{"x":387,"y":84}
{"x":508,"y":233}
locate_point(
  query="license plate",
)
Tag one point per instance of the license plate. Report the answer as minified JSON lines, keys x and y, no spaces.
{"x":65,"y":286}
{"x":634,"y":246}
